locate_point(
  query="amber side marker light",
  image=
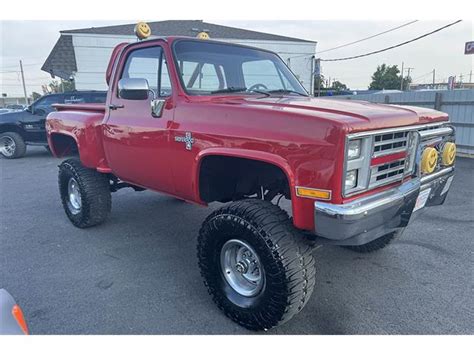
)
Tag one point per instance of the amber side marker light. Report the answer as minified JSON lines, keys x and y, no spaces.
{"x":20,"y":319}
{"x":313,"y":193}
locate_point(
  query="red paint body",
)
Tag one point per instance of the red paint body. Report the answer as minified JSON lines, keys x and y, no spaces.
{"x":303,"y":136}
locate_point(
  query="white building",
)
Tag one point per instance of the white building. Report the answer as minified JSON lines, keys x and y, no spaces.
{"x":84,"y":53}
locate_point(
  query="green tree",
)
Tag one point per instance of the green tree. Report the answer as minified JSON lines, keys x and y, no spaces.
{"x":388,"y":77}
{"x":55,"y":85}
{"x":35,"y":95}
{"x":338,"y":86}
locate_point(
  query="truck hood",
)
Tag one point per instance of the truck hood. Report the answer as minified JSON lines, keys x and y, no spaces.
{"x":354,"y":115}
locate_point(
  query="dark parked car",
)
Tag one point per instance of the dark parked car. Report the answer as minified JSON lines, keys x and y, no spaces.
{"x":15,"y":107}
{"x":21,"y":128}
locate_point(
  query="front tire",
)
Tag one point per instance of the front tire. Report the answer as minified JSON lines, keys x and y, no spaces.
{"x":85,"y":194}
{"x":12,"y":145}
{"x":257,"y":268}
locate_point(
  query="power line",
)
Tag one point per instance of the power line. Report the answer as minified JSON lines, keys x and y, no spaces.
{"x":391,"y":47}
{"x":422,"y":76}
{"x":16,"y":66}
{"x":366,"y":38}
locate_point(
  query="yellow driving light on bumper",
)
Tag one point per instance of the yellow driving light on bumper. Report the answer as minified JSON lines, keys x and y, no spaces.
{"x":313,"y":193}
{"x":429,"y":160}
{"x":449,"y":153}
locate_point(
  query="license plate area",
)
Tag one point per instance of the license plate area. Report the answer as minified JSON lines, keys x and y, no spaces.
{"x":422,"y":199}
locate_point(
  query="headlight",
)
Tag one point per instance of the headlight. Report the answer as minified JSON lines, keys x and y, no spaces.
{"x":358,"y":153}
{"x":353,"y":149}
{"x":351,"y":179}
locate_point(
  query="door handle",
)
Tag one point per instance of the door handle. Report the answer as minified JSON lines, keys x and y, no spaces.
{"x":115,"y":107}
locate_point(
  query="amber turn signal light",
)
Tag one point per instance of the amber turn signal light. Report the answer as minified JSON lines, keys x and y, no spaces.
{"x":449,"y":153}
{"x":20,"y":319}
{"x":313,"y":193}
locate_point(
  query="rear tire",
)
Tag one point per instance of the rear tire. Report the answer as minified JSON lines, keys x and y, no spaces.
{"x":376,"y":244}
{"x":264,"y":235}
{"x":12,"y":145}
{"x":85,"y":194}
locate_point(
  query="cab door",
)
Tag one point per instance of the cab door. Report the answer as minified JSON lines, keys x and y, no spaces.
{"x":136,"y":143}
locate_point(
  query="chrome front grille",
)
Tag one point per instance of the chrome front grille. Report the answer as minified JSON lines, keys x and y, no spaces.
{"x":390,"y":143}
{"x":387,"y":173}
{"x":382,"y":144}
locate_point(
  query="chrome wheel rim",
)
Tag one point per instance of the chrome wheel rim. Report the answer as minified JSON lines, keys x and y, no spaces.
{"x":7,"y":146}
{"x":242,"y":268}
{"x":74,"y":196}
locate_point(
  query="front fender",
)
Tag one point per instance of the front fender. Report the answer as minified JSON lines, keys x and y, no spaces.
{"x":302,"y":209}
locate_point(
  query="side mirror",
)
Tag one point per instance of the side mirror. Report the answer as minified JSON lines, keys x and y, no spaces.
{"x":29,"y":108}
{"x":133,"y":89}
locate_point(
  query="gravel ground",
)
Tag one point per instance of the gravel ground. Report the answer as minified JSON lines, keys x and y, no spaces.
{"x":137,"y":273}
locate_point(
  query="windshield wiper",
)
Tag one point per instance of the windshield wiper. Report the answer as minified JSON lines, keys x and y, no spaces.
{"x":238,"y":89}
{"x":285,"y":91}
{"x":229,"y":89}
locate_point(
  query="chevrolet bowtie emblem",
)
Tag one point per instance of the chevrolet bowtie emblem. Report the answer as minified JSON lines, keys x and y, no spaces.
{"x":188,"y":139}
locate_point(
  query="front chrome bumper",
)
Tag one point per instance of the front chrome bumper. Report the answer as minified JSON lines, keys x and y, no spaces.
{"x":368,"y":218}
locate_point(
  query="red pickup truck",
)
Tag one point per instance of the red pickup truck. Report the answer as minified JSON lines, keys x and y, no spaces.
{"x":207,"y":121}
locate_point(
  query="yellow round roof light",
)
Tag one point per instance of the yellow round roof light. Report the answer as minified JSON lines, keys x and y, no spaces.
{"x":429,"y":159}
{"x":142,"y":30}
{"x":203,"y":35}
{"x":449,"y":153}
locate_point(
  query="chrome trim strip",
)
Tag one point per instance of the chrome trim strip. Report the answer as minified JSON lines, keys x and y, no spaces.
{"x":387,"y":181}
{"x":390,"y":141}
{"x":394,"y":130}
{"x":389,"y":152}
{"x":376,"y":174}
{"x":443,"y":131}
{"x":428,"y":178}
{"x":368,"y":205}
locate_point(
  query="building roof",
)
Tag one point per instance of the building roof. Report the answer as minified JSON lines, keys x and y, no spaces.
{"x":62,"y":59}
{"x":188,"y":28}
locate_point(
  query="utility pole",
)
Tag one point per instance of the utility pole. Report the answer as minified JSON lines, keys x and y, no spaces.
{"x":408,"y":76}
{"x":23,"y":81}
{"x":434,"y":76}
{"x":401,"y":80}
{"x":470,"y":76}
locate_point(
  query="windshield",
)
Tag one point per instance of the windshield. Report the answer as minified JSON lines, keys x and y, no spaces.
{"x":209,"y":68}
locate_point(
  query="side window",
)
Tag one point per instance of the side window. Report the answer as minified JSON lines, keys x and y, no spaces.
{"x":202,"y":76}
{"x":150,"y":64}
{"x":261,"y":72}
{"x":74,"y":98}
{"x":96,"y":97}
{"x":47,"y":101}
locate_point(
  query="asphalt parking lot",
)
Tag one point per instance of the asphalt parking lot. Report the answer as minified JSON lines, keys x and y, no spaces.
{"x":137,"y":273}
